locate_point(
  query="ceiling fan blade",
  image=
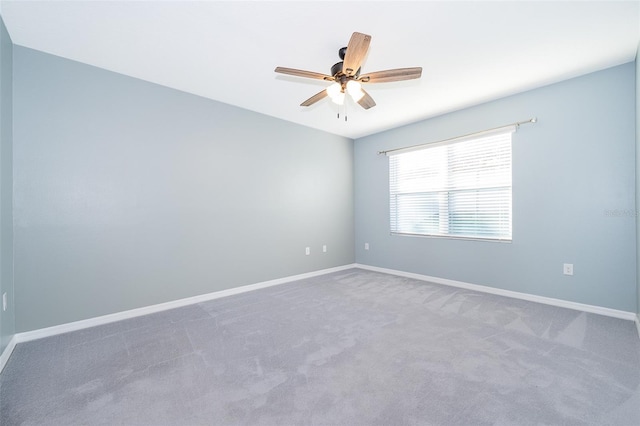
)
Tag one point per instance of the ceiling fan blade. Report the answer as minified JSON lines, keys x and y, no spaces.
{"x":302,"y":73}
{"x":356,"y":51}
{"x":366,"y":101}
{"x":387,"y":76}
{"x":315,"y":98}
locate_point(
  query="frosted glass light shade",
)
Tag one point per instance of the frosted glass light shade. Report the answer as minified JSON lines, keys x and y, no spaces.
{"x":339,"y":98}
{"x":353,"y":86}
{"x":355,"y":90}
{"x":334,"y":90}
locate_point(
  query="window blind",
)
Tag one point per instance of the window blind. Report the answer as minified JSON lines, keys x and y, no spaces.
{"x":459,"y":189}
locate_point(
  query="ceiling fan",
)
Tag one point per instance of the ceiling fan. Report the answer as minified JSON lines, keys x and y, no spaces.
{"x":346,"y":75}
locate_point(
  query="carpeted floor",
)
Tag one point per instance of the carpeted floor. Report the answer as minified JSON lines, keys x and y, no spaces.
{"x":349,"y":348}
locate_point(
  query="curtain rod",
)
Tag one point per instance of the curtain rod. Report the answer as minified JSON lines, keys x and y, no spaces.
{"x":516,"y":124}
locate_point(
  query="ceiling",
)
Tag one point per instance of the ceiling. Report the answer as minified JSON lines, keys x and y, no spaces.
{"x":470,"y":52}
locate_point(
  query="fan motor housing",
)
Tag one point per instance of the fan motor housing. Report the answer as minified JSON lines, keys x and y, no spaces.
{"x":336,"y":70}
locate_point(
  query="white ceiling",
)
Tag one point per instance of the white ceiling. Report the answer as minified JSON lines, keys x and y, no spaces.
{"x":470,"y":52}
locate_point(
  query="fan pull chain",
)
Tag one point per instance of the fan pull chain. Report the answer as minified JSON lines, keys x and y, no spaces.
{"x":345,"y":112}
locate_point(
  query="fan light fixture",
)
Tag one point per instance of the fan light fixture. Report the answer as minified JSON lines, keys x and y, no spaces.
{"x":355,"y":90}
{"x":337,"y":93}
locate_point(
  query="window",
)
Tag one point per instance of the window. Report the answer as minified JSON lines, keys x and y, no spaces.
{"x":459,"y":188}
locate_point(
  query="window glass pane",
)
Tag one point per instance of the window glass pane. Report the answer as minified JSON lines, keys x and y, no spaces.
{"x":417,"y":213}
{"x":421,"y":171}
{"x":482,"y":213}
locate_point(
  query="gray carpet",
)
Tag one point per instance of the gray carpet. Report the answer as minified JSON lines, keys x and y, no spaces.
{"x":349,"y":348}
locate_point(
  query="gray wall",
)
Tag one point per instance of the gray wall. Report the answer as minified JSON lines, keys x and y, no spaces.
{"x":638,"y":181}
{"x":573,"y":195}
{"x":129,"y":194}
{"x":7,"y":325}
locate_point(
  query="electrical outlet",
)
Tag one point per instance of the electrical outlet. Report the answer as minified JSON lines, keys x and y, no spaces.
{"x":567,"y":269}
{"x":366,"y":246}
{"x":4,"y":301}
{"x":324,"y":248}
{"x":307,"y":251}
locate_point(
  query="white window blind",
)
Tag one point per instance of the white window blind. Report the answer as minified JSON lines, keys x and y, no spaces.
{"x":460,"y":189}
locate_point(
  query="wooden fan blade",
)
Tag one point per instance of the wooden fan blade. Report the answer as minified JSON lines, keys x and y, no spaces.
{"x":366,"y":101}
{"x":302,"y":73}
{"x":315,"y":98}
{"x":356,"y":51}
{"x":387,"y":76}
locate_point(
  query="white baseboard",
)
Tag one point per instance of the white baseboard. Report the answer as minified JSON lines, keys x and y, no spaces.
{"x":118,"y":316}
{"x":4,"y":357}
{"x":631,"y":316}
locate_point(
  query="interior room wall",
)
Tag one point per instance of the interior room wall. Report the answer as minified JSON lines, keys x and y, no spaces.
{"x":129,"y":194}
{"x":573,"y":195}
{"x":7,"y":324}
{"x":638,"y":183}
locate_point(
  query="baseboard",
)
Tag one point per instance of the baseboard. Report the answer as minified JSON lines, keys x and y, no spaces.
{"x":4,"y":357}
{"x":132,"y":313}
{"x":631,"y":316}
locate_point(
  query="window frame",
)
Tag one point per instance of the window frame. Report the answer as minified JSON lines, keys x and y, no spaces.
{"x":501,"y":218}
